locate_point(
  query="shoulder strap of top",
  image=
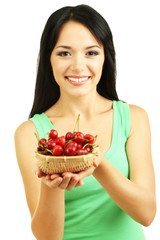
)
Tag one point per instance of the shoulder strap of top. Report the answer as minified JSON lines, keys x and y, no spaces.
{"x":124,"y":115}
{"x":42,"y":124}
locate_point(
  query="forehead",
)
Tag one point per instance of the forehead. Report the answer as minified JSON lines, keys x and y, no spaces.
{"x":75,"y":32}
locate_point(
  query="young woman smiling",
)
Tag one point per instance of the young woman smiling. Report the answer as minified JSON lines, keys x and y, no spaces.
{"x":76,"y":75}
{"x":77,"y":61}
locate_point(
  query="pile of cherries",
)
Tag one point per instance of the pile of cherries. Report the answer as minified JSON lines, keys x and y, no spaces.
{"x":71,"y":144}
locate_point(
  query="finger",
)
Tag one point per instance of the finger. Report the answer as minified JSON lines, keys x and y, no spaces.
{"x":39,"y":173}
{"x":52,"y":183}
{"x":73,"y":182}
{"x":57,"y":181}
{"x":55,"y":175}
{"x":80,"y":183}
{"x":66,"y":180}
{"x":81,"y":175}
{"x":86,"y":173}
{"x":48,"y":177}
{"x":67,"y":174}
{"x":96,"y":163}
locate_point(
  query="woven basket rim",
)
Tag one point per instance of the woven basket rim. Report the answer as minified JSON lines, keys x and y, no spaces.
{"x":42,"y":157}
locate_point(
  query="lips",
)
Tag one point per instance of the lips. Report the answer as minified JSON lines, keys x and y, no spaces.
{"x":77,"y":80}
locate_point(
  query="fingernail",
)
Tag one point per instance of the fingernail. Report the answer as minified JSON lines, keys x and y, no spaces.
{"x":94,"y":164}
{"x":47,"y":177}
{"x":59,"y":181}
{"x":81,"y":183}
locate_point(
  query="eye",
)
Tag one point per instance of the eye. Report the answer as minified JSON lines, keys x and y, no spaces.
{"x":64,"y":54}
{"x":92,"y":53}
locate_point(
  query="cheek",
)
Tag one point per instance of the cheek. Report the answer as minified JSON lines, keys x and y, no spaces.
{"x":97,"y":67}
{"x":59,"y":68}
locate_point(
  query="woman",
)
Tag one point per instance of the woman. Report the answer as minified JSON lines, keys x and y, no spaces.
{"x":76,"y":75}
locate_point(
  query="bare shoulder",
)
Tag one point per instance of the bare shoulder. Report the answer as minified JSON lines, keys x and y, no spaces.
{"x":139,"y":118}
{"x":25,"y":139}
{"x":25,"y":128}
{"x":137,"y":111}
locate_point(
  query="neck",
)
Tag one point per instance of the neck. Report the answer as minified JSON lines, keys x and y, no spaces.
{"x":86,"y":105}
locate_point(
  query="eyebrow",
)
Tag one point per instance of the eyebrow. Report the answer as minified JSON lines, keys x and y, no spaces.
{"x":68,"y":47}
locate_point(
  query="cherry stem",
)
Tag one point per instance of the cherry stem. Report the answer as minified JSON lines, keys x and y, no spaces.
{"x":95,"y":138}
{"x":88,"y":144}
{"x":77,"y":123}
{"x":47,"y":135}
{"x":67,"y":143}
{"x":43,"y":134}
{"x":36,"y":136}
{"x":49,"y":151}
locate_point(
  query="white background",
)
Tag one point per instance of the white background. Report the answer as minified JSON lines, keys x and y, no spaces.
{"x":136,"y":32}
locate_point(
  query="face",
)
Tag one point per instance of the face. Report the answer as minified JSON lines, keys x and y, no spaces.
{"x":77,"y":60}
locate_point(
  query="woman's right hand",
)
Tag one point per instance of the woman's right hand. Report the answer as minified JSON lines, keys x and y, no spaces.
{"x":46,"y":178}
{"x":56,"y":180}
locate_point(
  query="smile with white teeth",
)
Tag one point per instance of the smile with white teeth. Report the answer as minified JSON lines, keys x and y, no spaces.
{"x":78,"y":79}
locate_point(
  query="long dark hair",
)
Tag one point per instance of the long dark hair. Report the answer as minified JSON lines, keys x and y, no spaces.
{"x":47,"y":91}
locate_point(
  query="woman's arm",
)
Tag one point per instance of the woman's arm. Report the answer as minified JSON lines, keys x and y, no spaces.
{"x":45,"y":200}
{"x":48,"y":218}
{"x":135,"y":196}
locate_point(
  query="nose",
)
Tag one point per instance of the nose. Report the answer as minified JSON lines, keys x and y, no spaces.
{"x":78,"y":63}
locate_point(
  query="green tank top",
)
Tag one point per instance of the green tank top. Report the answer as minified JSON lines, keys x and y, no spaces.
{"x":90,"y":213}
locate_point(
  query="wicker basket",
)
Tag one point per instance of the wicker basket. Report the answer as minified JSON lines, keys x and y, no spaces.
{"x":59,"y":164}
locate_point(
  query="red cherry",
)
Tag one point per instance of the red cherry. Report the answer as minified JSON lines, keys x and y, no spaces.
{"x":69,"y":136}
{"x":78,"y":137}
{"x":85,"y":151}
{"x":88,"y":148}
{"x":81,"y":152}
{"x":53,"y":134}
{"x":89,"y":138}
{"x":57,"y":150}
{"x":74,"y":134}
{"x":79,"y":146}
{"x":51,"y":143}
{"x":42,"y":144}
{"x":72,"y":143}
{"x":70,"y":151}
{"x":61,"y":141}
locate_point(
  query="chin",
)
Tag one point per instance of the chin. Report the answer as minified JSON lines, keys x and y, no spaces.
{"x":82,"y":92}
